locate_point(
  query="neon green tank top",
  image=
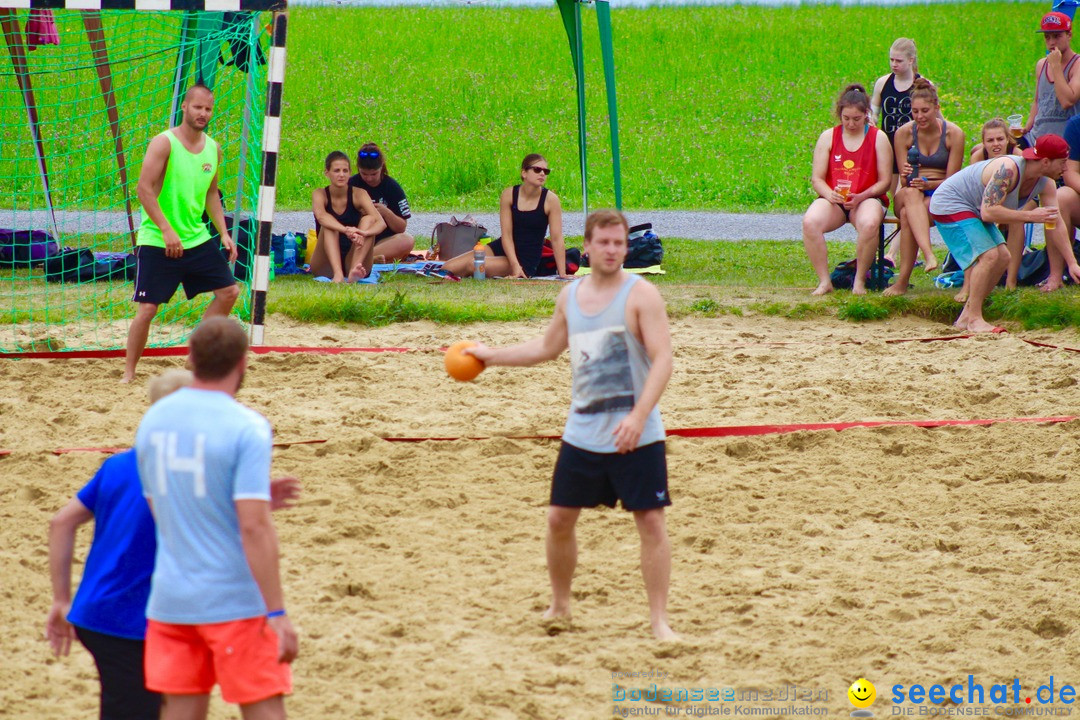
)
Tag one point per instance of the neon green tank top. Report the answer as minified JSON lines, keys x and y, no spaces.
{"x":183,"y":194}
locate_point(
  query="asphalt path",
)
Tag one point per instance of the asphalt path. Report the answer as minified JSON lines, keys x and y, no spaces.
{"x":727,"y":227}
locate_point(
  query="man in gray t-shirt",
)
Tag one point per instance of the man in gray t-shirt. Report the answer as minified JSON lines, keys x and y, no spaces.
{"x":968,"y":205}
{"x":613,"y":449}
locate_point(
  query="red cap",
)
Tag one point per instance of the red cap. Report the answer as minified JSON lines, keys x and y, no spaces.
{"x":1055,"y":22}
{"x":1048,"y":147}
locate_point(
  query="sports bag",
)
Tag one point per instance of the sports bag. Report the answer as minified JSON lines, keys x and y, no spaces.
{"x":450,"y":239}
{"x":26,"y":248}
{"x":843,"y":276}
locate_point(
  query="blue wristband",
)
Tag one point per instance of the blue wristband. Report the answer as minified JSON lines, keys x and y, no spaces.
{"x":274,"y":614}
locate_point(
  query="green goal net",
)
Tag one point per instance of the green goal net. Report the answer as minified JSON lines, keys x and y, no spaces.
{"x":75,"y":120}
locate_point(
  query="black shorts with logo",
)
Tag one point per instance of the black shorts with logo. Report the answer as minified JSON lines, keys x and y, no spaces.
{"x":200,"y":269}
{"x":586,"y":479}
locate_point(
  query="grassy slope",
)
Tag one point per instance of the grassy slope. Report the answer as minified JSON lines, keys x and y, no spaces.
{"x":458,"y":95}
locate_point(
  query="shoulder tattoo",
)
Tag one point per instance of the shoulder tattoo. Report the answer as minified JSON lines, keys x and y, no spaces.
{"x":998,"y":187}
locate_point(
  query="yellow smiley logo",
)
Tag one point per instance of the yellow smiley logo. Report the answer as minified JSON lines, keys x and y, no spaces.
{"x":848,"y":164}
{"x":862,"y":693}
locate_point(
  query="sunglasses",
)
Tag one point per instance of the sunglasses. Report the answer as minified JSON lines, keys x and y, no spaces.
{"x":368,"y":154}
{"x":537,"y":168}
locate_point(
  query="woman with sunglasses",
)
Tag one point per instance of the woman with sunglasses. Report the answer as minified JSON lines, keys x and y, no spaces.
{"x":392,"y":243}
{"x":526,"y":213}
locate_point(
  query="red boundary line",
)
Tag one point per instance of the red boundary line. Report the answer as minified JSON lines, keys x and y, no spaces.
{"x":4,"y":453}
{"x":721,"y":431}
{"x":1048,"y":345}
{"x":266,"y":349}
{"x":114,"y":450}
{"x":182,"y":350}
{"x":747,"y":430}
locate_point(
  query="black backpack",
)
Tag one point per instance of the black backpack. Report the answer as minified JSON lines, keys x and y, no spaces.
{"x":843,"y":276}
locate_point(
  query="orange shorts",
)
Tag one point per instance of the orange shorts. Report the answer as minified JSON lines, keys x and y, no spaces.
{"x":240,"y":656}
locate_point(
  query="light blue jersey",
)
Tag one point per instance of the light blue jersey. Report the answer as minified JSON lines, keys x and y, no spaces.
{"x":200,"y":451}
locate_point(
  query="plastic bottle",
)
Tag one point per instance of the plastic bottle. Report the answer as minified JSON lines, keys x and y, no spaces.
{"x":290,"y":250}
{"x":913,"y":161}
{"x":479,"y":259}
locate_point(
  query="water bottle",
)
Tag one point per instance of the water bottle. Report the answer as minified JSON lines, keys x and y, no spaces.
{"x":478,"y":259}
{"x":913,"y":161}
{"x":290,"y":250}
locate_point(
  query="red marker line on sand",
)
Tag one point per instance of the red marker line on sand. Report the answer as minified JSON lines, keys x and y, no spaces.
{"x":114,"y":450}
{"x":181,"y":350}
{"x":772,"y":429}
{"x":719,"y":431}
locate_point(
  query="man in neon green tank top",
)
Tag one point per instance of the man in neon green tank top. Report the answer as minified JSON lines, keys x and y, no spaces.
{"x":178,"y":182}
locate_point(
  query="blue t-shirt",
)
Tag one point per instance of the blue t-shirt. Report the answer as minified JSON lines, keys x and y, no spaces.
{"x":1071,"y":133}
{"x":199,"y":452}
{"x":116,"y":580}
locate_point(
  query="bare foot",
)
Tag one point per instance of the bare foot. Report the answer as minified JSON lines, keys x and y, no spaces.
{"x":823,"y":289}
{"x":892,"y":259}
{"x":1051,"y":286}
{"x":126,"y":378}
{"x":979,"y":325}
{"x":961,"y":297}
{"x":858,"y":290}
{"x":338,"y":278}
{"x":961,"y":322}
{"x":663,"y":632}
{"x":931,"y":264}
{"x":894,"y":290}
{"x":378,"y":260}
{"x":358,"y":273}
{"x":554,"y":622}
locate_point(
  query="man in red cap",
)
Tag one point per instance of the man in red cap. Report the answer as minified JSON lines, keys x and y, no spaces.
{"x":1057,"y":81}
{"x":1009,"y":189}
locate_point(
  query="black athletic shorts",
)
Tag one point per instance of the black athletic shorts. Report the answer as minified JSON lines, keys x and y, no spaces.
{"x":587,"y":479}
{"x":123,"y":684}
{"x":201,"y":269}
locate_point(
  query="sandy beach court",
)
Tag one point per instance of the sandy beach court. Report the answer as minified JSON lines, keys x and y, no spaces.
{"x":415,"y":571}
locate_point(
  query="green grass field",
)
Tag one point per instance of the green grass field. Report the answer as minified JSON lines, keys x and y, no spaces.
{"x":704,"y":279}
{"x":719,"y":106}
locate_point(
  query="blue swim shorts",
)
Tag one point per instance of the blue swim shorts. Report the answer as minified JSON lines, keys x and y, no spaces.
{"x":969,"y":238}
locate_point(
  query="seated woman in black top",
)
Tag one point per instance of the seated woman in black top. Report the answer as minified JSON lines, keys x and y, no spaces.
{"x":347,"y":223}
{"x":939,"y":146}
{"x":393,"y":243}
{"x":526,"y":212}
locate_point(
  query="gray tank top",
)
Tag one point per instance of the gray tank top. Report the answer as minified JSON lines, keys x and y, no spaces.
{"x":610,"y":366}
{"x":963,"y":192}
{"x":939,"y":160}
{"x":1051,"y":116}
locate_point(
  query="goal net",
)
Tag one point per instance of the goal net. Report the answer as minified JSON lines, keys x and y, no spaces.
{"x":82,"y":93}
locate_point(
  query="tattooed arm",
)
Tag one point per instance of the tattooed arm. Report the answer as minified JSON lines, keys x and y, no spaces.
{"x":1004,"y":176}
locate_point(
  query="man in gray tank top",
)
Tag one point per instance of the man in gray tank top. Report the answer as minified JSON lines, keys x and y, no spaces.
{"x":1057,"y":81}
{"x":968,"y":206}
{"x":616,"y":328}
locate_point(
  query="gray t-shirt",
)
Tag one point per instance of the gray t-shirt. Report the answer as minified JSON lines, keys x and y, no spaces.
{"x":609,"y":366}
{"x":962,"y":193}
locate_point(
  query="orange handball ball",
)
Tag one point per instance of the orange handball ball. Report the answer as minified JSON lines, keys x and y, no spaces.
{"x":459,"y":364}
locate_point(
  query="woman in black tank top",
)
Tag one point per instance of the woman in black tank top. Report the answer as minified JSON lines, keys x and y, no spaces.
{"x":346,"y":222}
{"x":526,"y":213}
